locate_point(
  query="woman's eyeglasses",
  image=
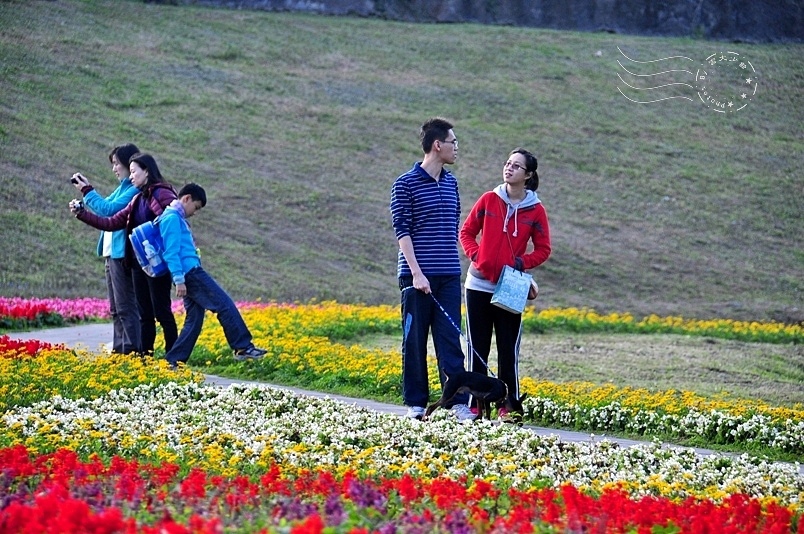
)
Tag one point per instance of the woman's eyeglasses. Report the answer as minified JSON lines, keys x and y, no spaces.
{"x":514,"y":165}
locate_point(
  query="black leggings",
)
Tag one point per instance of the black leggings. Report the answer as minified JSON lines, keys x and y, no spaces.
{"x":481,"y":318}
{"x":153,"y":302}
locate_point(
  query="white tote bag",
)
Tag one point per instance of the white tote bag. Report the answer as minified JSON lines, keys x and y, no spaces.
{"x":512,"y":290}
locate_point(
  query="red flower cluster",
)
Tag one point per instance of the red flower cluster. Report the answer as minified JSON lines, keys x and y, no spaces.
{"x":22,"y":313}
{"x":22,"y":309}
{"x":58,"y":493}
{"x":19,"y":313}
{"x":13,"y":348}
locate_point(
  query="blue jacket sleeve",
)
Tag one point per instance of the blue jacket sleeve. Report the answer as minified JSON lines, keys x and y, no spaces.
{"x":170,"y":228}
{"x":116,"y":201}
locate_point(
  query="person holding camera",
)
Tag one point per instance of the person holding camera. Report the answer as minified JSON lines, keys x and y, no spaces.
{"x":152,"y":294}
{"x":112,"y":247}
{"x":506,"y":219}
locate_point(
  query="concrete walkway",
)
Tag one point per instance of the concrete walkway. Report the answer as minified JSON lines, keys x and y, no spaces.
{"x":97,"y":336}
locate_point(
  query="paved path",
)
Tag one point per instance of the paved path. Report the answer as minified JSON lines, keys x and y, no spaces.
{"x":97,"y":336}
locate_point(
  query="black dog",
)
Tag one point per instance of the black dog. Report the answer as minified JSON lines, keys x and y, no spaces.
{"x":484,"y":389}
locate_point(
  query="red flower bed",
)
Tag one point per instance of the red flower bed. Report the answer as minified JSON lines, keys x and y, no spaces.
{"x":22,"y":309}
{"x":19,"y":313}
{"x":13,"y":348}
{"x":60,"y":493}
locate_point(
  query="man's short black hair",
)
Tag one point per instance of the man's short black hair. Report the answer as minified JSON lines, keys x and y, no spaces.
{"x":195,"y":191}
{"x":435,"y":129}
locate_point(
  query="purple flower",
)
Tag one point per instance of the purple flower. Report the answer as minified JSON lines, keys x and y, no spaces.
{"x":294,"y":509}
{"x":333,"y":510}
{"x":456,"y":523}
{"x":365,"y":495}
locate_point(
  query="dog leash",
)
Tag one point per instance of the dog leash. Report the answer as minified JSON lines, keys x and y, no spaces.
{"x":458,"y":328}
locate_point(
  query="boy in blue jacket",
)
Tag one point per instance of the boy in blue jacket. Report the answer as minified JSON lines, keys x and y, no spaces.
{"x":199,"y":290}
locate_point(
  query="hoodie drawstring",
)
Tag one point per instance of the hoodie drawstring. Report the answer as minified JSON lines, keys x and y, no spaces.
{"x":508,"y":218}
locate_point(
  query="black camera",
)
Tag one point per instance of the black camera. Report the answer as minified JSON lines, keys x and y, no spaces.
{"x":74,"y":180}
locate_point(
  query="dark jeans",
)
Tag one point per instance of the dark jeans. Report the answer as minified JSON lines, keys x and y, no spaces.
{"x":420,"y":316}
{"x":153,"y":301}
{"x":204,"y":293}
{"x":481,"y":317}
{"x":123,"y":307}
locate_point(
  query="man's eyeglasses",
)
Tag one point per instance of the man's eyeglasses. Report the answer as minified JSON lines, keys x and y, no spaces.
{"x":514,"y":165}
{"x":454,"y":142}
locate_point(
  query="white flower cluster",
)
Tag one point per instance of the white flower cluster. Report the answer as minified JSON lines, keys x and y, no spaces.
{"x":252,"y":426}
{"x":715,"y":426}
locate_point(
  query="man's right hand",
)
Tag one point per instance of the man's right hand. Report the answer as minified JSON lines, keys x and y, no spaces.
{"x":421,"y":283}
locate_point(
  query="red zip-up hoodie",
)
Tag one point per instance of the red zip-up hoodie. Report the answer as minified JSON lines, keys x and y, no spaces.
{"x":505,"y":231}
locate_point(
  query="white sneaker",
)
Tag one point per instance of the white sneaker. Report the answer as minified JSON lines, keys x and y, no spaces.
{"x":463,"y":413}
{"x":415,"y":412}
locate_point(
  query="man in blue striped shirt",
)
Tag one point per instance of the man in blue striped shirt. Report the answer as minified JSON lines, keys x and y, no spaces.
{"x":426,"y":211}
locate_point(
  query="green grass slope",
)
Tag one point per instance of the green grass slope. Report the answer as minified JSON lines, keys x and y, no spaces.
{"x":297,"y":125}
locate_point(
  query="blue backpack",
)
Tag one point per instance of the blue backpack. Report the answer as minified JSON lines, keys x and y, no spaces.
{"x":148,"y":248}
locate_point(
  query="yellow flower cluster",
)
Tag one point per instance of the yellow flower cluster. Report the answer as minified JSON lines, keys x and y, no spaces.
{"x":747,"y":328}
{"x":669,"y":401}
{"x":74,"y":374}
{"x":584,"y":319}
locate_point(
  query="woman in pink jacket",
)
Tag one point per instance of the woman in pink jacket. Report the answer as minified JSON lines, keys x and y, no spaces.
{"x":506,"y":220}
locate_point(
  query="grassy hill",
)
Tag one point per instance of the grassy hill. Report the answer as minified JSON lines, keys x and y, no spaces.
{"x":297,"y":125}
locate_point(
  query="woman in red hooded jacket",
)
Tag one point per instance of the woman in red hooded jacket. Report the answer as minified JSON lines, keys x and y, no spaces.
{"x":153,"y":294}
{"x":506,"y":219}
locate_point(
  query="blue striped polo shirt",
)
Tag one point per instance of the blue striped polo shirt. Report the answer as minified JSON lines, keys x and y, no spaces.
{"x":428,"y":211}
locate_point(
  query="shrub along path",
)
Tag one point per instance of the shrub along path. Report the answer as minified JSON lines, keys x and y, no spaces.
{"x":96,"y":336}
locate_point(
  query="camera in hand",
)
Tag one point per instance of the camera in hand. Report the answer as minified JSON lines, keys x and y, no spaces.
{"x":74,"y":180}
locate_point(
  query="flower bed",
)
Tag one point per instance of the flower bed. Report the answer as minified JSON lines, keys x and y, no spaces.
{"x":308,"y":346}
{"x":588,"y":320}
{"x":18,"y":313}
{"x":28,"y":313}
{"x":52,"y":493}
{"x":301,"y":351}
{"x":667,"y":413}
{"x":13,"y":349}
{"x":117,"y":444}
{"x":32,"y":371}
{"x":257,"y":457}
